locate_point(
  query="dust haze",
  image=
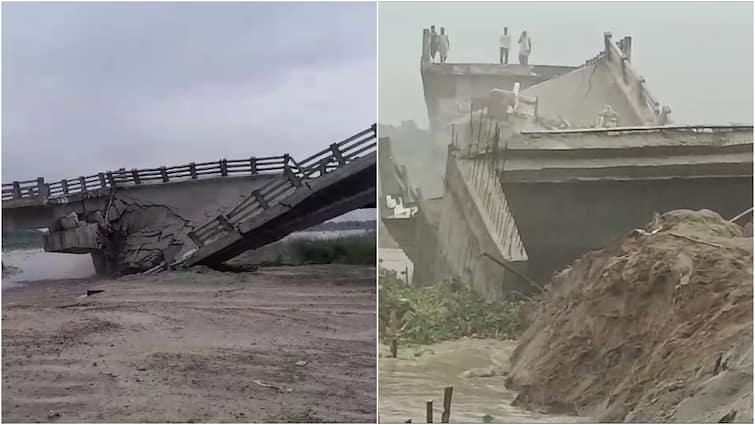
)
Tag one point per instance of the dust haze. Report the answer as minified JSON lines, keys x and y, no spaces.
{"x":696,"y":57}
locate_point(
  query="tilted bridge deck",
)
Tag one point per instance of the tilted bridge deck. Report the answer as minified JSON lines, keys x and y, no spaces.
{"x":298,"y":194}
{"x":225,"y":236}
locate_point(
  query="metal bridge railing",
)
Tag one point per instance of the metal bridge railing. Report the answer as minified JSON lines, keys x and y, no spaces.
{"x":295,"y":173}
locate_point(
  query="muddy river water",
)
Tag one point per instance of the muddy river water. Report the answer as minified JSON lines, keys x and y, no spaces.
{"x":420,"y":373}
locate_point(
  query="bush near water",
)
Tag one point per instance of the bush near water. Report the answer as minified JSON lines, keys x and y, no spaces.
{"x":351,"y":249}
{"x":445,"y":311}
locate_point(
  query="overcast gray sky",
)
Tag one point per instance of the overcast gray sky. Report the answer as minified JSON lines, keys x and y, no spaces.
{"x":88,"y":87}
{"x":697,"y":57}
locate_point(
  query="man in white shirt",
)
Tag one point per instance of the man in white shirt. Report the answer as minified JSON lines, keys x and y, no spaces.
{"x":505,"y":44}
{"x":525,"y":48}
{"x":444,"y":45}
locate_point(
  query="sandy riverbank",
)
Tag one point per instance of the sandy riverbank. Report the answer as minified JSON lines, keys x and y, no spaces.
{"x":201,"y":347}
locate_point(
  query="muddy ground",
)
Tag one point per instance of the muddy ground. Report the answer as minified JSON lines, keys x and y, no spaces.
{"x":193,"y":347}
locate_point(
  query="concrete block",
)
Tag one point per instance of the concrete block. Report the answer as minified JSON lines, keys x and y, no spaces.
{"x":71,"y":221}
{"x":78,"y":240}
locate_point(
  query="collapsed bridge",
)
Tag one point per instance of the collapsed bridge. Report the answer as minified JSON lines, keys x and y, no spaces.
{"x":200,"y":213}
{"x":544,"y":164}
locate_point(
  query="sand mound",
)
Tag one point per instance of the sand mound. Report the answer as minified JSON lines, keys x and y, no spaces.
{"x":656,"y":327}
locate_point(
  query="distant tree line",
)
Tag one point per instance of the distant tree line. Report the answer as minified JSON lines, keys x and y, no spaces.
{"x":334,"y":226}
{"x":20,"y":239}
{"x":31,"y":238}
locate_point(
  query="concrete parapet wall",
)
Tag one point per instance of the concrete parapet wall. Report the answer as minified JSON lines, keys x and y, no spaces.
{"x":581,"y":95}
{"x":609,"y":79}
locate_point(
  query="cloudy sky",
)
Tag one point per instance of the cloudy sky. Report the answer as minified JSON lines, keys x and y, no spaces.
{"x":89,"y":87}
{"x":697,"y":57}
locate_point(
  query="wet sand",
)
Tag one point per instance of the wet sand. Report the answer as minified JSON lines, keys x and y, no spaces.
{"x":420,"y":373}
{"x":193,"y":347}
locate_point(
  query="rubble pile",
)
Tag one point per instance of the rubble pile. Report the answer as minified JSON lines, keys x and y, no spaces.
{"x":656,"y":327}
{"x":139,"y":237}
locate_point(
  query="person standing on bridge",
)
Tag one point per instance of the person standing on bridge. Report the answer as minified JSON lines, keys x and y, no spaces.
{"x":505,"y":44}
{"x":444,"y":45}
{"x":525,"y":48}
{"x":434,"y":41}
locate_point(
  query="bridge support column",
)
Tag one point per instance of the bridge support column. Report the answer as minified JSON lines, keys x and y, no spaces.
{"x":100,"y":263}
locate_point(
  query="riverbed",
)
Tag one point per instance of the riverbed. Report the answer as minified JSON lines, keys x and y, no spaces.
{"x":420,"y":373}
{"x":283,"y":344}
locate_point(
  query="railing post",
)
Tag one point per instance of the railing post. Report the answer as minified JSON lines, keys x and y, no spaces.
{"x":260,"y":199}
{"x":16,"y":190}
{"x":226,"y":223}
{"x":628,"y":48}
{"x":337,"y":154}
{"x":135,"y":175}
{"x":641,"y":91}
{"x":253,"y":165}
{"x":102,"y":180}
{"x":194,"y":238}
{"x":83,"y":183}
{"x":607,"y":42}
{"x":425,"y":58}
{"x":193,"y":170}
{"x":164,"y":173}
{"x":64,"y":183}
{"x":42,"y":188}
{"x":291,"y":176}
{"x":223,"y":167}
{"x":110,"y":178}
{"x":323,"y":167}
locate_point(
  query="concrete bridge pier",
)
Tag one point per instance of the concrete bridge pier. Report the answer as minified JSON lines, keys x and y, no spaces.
{"x":77,"y":238}
{"x":101,"y":265}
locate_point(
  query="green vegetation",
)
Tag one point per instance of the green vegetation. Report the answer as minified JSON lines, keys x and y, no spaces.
{"x":334,"y":226}
{"x":351,"y":249}
{"x":445,"y":311}
{"x":487,"y":418}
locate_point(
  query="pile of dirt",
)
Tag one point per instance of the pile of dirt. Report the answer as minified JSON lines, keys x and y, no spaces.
{"x":657,"y":327}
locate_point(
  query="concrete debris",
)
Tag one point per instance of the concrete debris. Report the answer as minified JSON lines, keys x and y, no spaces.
{"x":10,"y":270}
{"x":143,"y":238}
{"x":262,"y":384}
{"x":70,"y":221}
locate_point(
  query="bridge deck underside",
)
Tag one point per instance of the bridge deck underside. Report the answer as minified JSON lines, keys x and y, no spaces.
{"x":347,"y":189}
{"x":559,"y":221}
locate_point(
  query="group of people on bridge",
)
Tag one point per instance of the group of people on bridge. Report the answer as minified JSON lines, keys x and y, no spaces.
{"x":525,"y":47}
{"x":440,"y":44}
